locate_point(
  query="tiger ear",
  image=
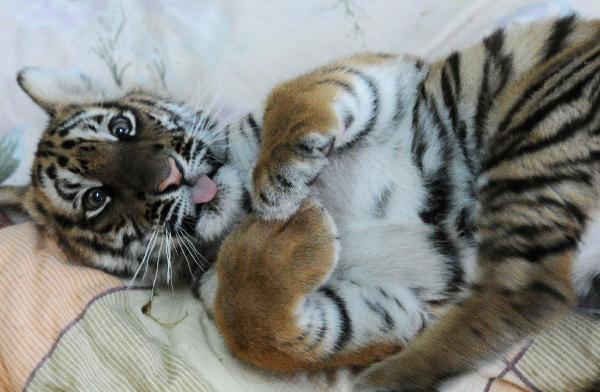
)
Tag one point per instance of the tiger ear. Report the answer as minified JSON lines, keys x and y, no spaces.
{"x":15,"y":197}
{"x":52,"y":89}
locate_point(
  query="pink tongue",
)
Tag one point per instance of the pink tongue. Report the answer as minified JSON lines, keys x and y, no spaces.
{"x":204,"y":190}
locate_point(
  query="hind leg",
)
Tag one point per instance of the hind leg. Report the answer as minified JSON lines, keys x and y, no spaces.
{"x":526,"y":250}
{"x":281,"y":305}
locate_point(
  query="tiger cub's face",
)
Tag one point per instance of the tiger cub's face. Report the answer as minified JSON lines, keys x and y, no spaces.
{"x":133,"y":185}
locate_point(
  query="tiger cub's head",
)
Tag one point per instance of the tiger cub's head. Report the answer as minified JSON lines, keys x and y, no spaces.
{"x":135,"y":184}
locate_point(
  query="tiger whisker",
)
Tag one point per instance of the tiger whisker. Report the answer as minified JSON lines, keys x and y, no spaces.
{"x":157,"y":265}
{"x":194,"y":251}
{"x":149,"y":249}
{"x":142,"y":262}
{"x":168,"y":249}
{"x":179,"y":241}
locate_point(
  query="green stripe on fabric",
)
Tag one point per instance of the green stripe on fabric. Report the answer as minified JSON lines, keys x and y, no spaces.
{"x":566,"y":357}
{"x":8,"y":164}
{"x":110,"y":349}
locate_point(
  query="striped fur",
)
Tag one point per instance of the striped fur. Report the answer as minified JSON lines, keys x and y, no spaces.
{"x":471,"y":180}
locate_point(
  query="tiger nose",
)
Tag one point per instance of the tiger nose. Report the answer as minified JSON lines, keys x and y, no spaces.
{"x":174,"y":177}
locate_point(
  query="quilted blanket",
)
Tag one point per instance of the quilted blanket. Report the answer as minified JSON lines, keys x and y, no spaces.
{"x":70,"y":328}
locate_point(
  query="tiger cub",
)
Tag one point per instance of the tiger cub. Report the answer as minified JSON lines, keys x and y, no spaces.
{"x":349,"y":272}
{"x":385,"y":185}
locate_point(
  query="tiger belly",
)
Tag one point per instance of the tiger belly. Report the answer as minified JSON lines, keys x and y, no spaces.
{"x":375,"y":197}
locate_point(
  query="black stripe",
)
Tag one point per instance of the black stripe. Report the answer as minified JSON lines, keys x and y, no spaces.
{"x":227,"y":150}
{"x":450,"y":95}
{"x":382,"y":201}
{"x":530,"y":123}
{"x":399,"y":107}
{"x":589,"y":59}
{"x":174,"y":213}
{"x":463,"y":223}
{"x":494,"y":188}
{"x":438,"y":199}
{"x":100,"y":247}
{"x":67,"y":196}
{"x":492,"y":83}
{"x":265,"y":199}
{"x":477,"y":332}
{"x":541,"y":201}
{"x":561,"y":30}
{"x":98,"y":119}
{"x":282,"y":180}
{"x":71,"y":117}
{"x":165,"y":210}
{"x":532,"y":254}
{"x":438,"y":185}
{"x":63,"y":130}
{"x":255,"y":128}
{"x":526,"y":235}
{"x":246,"y":201}
{"x":127,"y":240}
{"x":374,"y":109}
{"x":484,"y":102}
{"x":379,"y":310}
{"x":494,"y":43}
{"x":138,"y":232}
{"x":588,"y":161}
{"x":445,"y":245}
{"x":544,"y":288}
{"x":339,"y":83}
{"x":322,"y":329}
{"x":561,"y":66}
{"x":565,"y":132}
{"x":418,"y":143}
{"x":345,"y":322}
{"x":383,"y":293}
{"x":71,"y":185}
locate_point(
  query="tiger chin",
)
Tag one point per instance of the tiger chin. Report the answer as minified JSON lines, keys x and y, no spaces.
{"x":133,"y":184}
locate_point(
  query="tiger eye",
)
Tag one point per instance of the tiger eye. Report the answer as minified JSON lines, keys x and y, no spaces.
{"x":120,"y":127}
{"x":94,"y":199}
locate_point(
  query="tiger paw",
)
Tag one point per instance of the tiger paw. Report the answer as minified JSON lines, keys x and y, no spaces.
{"x":301,"y":125}
{"x":206,"y":290}
{"x":281,"y":186}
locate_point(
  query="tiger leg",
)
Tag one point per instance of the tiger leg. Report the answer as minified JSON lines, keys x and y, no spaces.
{"x":351,"y":102}
{"x":526,"y":250}
{"x":476,"y":331}
{"x":280,"y":306}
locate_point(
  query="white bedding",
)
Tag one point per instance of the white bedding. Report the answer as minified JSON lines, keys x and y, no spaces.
{"x":234,"y":50}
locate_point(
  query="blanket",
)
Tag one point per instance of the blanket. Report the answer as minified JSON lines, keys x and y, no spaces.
{"x":71,"y":328}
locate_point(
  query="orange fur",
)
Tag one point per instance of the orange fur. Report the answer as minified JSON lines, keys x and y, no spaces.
{"x":261,"y":286}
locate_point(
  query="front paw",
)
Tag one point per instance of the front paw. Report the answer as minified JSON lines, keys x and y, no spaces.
{"x":206,"y":290}
{"x":282,"y":181}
